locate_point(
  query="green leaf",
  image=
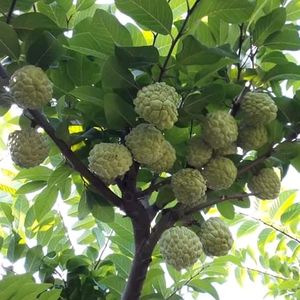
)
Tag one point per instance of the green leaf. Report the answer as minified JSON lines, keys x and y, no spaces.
{"x":51,"y":295}
{"x":155,"y":15}
{"x":247,"y":227}
{"x":33,"y":259}
{"x":287,"y":39}
{"x":16,"y":248}
{"x":9,"y":44}
{"x":44,"y":202}
{"x":83,"y":209}
{"x":59,"y":175}
{"x":204,"y":286}
{"x":100,"y":208}
{"x":226,"y":209}
{"x":122,"y":77}
{"x":82,"y":70}
{"x":118,"y":112}
{"x":39,"y":173}
{"x":234,"y":11}
{"x":291,"y":213}
{"x":293,"y":10}
{"x":34,"y":22}
{"x":196,"y":102}
{"x":30,"y":187}
{"x":137,"y":57}
{"x":44,"y":51}
{"x":115,"y":283}
{"x":84,"y":4}
{"x":283,"y":72}
{"x":194,"y":53}
{"x":268,"y":24}
{"x":5,"y":208}
{"x":89,"y":94}
{"x":122,"y":263}
{"x":104,"y":32}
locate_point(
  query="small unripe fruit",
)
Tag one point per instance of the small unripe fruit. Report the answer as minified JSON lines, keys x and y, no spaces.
{"x":166,"y":161}
{"x":157,"y":104}
{"x":198,"y":152}
{"x":265,"y":185}
{"x":220,"y":173}
{"x":252,"y":138}
{"x":109,"y":160}
{"x":258,"y":108}
{"x":28,"y":148}
{"x":146,"y":143}
{"x":180,"y":247}
{"x":220,"y":129}
{"x":215,"y":237}
{"x":30,"y":87}
{"x":188,"y":186}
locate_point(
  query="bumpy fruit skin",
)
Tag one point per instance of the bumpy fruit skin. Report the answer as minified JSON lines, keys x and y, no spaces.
{"x":180,"y":247}
{"x":157,"y":104}
{"x":198,"y":152}
{"x":28,"y":148}
{"x":146,"y":143}
{"x":228,"y":150}
{"x":220,"y":173}
{"x":265,"y":185}
{"x":220,"y":129}
{"x":166,"y":161}
{"x":252,"y":137}
{"x":258,"y":108}
{"x":109,"y":160}
{"x":215,"y":237}
{"x":188,"y":186}
{"x":30,"y":87}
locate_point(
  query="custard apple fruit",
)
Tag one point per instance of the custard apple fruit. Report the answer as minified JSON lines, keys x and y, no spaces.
{"x":109,"y":160}
{"x":30,"y":87}
{"x":146,"y":143}
{"x":198,"y":152}
{"x":265,"y":185}
{"x":252,"y":137}
{"x":220,"y":173}
{"x":220,"y":129}
{"x":157,"y":104}
{"x":166,"y":161}
{"x":188,"y":186}
{"x":180,"y":247}
{"x":215,"y":237}
{"x":28,"y":148}
{"x":258,"y":108}
{"x":228,"y":150}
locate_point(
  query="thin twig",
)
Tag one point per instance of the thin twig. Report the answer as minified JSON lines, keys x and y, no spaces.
{"x":262,"y":272}
{"x":176,"y":39}
{"x":103,"y":249}
{"x":11,"y":10}
{"x":241,"y":41}
{"x":272,"y":226}
{"x":154,"y":187}
{"x":237,"y":102}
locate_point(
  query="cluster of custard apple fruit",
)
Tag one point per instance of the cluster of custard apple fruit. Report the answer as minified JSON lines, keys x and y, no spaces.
{"x":207,"y":155}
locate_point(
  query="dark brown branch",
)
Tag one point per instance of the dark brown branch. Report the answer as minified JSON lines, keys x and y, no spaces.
{"x":154,"y":187}
{"x":273,"y":227}
{"x":176,"y":39}
{"x":241,"y":41}
{"x":11,"y":10}
{"x":237,"y":102}
{"x":75,"y":162}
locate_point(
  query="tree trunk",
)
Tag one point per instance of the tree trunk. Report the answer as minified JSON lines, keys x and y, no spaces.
{"x":138,"y":272}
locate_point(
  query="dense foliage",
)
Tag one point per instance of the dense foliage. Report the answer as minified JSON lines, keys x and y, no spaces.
{"x":157,"y":127}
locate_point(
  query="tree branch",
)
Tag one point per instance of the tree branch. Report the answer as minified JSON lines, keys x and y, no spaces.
{"x":75,"y":162}
{"x":237,"y":102}
{"x":11,"y":10}
{"x":272,"y":226}
{"x":154,"y":187}
{"x":176,"y":39}
{"x":241,"y":41}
